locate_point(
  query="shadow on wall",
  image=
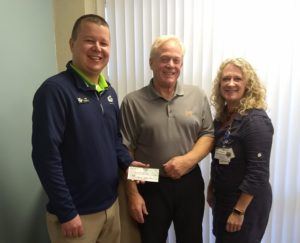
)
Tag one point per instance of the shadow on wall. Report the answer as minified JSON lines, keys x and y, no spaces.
{"x":3,"y":225}
{"x":37,"y":229}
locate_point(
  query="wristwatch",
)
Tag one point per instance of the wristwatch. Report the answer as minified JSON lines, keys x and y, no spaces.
{"x":238,"y":212}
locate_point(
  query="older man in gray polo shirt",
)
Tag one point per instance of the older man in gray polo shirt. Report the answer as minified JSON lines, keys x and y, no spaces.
{"x":169,"y":126}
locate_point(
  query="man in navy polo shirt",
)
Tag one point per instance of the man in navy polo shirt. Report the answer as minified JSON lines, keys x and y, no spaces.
{"x":77,"y":146}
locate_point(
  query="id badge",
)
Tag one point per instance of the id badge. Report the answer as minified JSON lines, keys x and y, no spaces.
{"x":224,"y":155}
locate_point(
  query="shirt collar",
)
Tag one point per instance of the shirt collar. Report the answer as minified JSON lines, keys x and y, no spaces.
{"x":153,"y":94}
{"x":102,"y":84}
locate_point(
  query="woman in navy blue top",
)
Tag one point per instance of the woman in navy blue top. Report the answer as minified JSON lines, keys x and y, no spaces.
{"x":239,"y":191}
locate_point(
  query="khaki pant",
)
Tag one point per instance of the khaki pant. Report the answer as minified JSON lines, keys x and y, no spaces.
{"x":129,"y":228}
{"x":102,"y":227}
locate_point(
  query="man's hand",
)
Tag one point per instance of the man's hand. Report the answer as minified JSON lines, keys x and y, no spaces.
{"x":138,"y":164}
{"x":72,"y":228}
{"x":181,"y":165}
{"x":137,"y":207}
{"x":177,"y":167}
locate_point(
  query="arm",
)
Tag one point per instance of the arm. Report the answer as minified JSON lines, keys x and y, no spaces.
{"x":257,"y":142}
{"x":258,"y":133}
{"x":236,"y":218}
{"x":124,"y":158}
{"x":136,"y":203}
{"x":210,"y":198}
{"x":48,"y":124}
{"x":137,"y":206}
{"x":180,"y":165}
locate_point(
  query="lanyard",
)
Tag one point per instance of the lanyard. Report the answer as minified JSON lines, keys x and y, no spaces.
{"x":226,"y":137}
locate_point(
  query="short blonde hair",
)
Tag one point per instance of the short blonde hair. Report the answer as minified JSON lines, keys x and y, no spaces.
{"x":255,"y":92}
{"x":161,"y":40}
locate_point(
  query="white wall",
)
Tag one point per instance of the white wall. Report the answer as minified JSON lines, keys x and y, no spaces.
{"x":27,"y":58}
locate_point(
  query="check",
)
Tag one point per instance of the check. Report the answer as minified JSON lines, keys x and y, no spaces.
{"x":143,"y":174}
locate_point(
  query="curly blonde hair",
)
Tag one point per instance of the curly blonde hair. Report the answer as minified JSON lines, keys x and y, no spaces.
{"x":255,"y":93}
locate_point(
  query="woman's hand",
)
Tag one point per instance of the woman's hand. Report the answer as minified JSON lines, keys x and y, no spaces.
{"x":234,"y":222}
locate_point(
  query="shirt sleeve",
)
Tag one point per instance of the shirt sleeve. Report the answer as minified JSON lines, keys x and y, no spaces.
{"x":257,"y":142}
{"x":48,"y":125}
{"x":128,"y":125}
{"x":207,"y":122}
{"x":124,"y":158}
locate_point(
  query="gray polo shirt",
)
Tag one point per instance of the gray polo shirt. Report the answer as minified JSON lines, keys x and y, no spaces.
{"x":157,"y":129}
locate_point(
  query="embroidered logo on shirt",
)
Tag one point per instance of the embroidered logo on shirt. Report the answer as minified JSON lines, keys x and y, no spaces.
{"x":83,"y":100}
{"x":188,"y":113}
{"x":110,"y":99}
